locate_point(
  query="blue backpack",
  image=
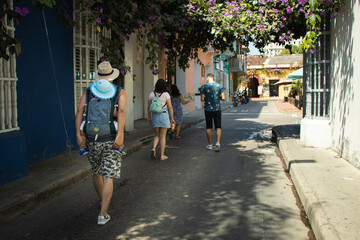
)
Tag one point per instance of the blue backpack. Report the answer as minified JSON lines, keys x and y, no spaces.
{"x":156,"y":105}
{"x":99,"y":118}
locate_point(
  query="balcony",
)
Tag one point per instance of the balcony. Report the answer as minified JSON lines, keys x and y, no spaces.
{"x":237,"y":65}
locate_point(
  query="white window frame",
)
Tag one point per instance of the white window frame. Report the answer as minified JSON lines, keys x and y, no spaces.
{"x":317,"y":76}
{"x":8,"y":81}
{"x":87,"y":51}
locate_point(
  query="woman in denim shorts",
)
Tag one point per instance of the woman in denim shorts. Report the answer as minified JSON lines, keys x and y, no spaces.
{"x":160,"y":121}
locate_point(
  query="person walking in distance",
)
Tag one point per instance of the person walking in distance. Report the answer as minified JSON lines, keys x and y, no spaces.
{"x":176,"y":101}
{"x":211,"y":94}
{"x":159,"y":111}
{"x":102,"y":139}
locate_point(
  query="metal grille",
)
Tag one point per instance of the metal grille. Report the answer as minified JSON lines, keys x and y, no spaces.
{"x":317,"y":76}
{"x":87,"y":51}
{"x":8,"y":81}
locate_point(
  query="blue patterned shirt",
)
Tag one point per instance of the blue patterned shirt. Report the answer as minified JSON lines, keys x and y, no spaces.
{"x":212,"y":92}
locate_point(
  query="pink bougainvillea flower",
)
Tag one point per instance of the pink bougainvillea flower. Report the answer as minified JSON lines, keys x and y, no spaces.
{"x":122,"y":71}
{"x":155,"y":71}
{"x":22,"y":11}
{"x":282,"y":39}
{"x":159,"y":18}
{"x":119,"y":51}
{"x":102,"y":59}
{"x":134,"y":71}
{"x":141,"y":25}
{"x":98,"y":20}
{"x":289,"y":10}
{"x":214,"y":18}
{"x":101,"y":10}
{"x":312,"y":51}
{"x":89,"y":11}
{"x":191,"y":7}
{"x":152,"y":6}
{"x":212,"y":3}
{"x":228,"y":26}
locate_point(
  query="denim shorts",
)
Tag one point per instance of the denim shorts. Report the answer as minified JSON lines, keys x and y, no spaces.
{"x":161,"y":119}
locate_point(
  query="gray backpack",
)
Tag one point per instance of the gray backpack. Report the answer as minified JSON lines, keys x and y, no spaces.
{"x":99,"y":118}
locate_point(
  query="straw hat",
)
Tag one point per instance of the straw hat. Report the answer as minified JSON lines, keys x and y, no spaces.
{"x":106,"y":71}
{"x":103,"y":89}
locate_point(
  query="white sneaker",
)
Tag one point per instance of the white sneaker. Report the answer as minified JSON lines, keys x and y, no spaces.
{"x":217,"y":147}
{"x":210,"y":147}
{"x":103,"y":219}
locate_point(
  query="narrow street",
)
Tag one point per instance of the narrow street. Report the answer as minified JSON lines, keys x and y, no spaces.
{"x":241,"y":192}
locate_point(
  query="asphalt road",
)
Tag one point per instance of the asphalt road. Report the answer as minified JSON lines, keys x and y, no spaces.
{"x":241,"y":192}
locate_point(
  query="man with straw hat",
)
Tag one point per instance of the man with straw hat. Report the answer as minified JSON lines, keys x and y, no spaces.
{"x":101,"y":137}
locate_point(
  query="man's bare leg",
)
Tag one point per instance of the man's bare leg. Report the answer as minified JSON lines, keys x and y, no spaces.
{"x":218,"y":135}
{"x":98,"y":184}
{"x":209,"y":135}
{"x":107,"y":193}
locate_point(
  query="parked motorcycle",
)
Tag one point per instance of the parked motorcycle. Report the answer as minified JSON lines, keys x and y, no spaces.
{"x":243,"y":97}
{"x":235,"y":100}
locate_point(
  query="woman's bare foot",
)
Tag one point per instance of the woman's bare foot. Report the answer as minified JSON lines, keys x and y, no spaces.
{"x":153,"y":154}
{"x":163,"y":158}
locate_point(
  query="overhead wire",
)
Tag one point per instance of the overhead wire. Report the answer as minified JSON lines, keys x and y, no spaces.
{"x":68,"y":142}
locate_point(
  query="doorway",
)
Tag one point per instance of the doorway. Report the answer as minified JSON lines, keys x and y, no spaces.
{"x":274,"y":89}
{"x":253,"y":86}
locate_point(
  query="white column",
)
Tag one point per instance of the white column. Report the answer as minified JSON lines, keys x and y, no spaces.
{"x":128,"y":85}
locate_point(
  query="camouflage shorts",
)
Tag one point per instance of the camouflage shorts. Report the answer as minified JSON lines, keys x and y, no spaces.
{"x":104,"y":160}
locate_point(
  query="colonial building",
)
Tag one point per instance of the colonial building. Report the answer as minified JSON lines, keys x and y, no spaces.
{"x":268,"y":70}
{"x":41,"y":87}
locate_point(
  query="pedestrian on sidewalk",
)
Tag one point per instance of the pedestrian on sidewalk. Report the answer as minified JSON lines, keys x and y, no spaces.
{"x":176,"y":101}
{"x":211,"y":94}
{"x":160,"y":120}
{"x":102,"y":140}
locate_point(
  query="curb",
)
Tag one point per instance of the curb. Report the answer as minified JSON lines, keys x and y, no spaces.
{"x":33,"y":199}
{"x":312,"y":206}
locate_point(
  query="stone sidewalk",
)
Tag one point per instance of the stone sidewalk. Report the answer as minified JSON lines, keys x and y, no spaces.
{"x":328,"y":186}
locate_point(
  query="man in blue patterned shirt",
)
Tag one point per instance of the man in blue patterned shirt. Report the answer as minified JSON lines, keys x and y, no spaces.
{"x":211,"y":94}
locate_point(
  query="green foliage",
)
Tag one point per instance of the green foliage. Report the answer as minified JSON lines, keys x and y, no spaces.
{"x":297,"y":87}
{"x":235,"y":81}
{"x":291,"y":49}
{"x":185,"y":26}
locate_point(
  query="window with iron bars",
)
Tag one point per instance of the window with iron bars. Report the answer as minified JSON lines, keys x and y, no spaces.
{"x":8,"y":81}
{"x":317,"y":76}
{"x":87,"y":51}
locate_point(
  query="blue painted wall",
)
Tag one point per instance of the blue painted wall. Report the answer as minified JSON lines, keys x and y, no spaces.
{"x":13,"y":164}
{"x":42,"y":133}
{"x":39,"y":110}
